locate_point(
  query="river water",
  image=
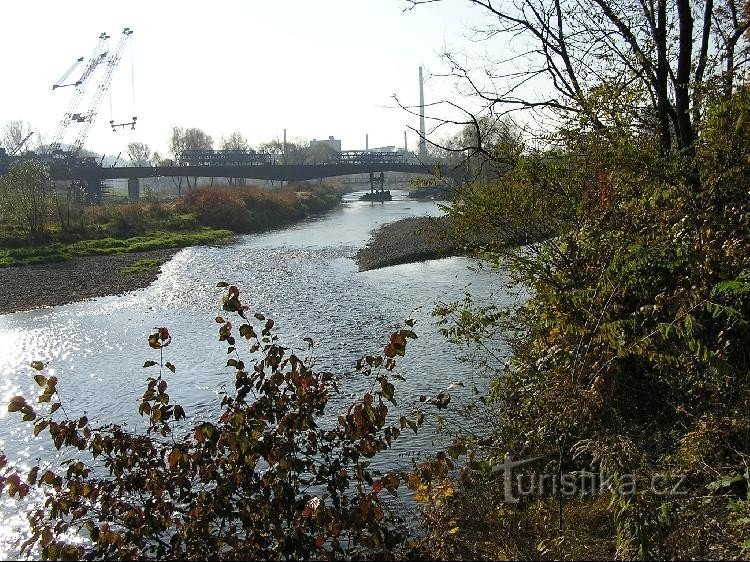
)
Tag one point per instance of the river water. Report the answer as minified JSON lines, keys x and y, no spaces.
{"x":302,"y":276}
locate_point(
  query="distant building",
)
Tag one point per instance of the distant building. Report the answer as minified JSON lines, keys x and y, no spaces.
{"x":330,"y":143}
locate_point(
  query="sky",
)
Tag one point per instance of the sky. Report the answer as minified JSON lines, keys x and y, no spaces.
{"x":314,"y":67}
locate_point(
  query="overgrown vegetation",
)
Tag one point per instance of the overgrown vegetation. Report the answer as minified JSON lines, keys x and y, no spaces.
{"x":626,"y":395}
{"x":204,"y":216}
{"x":629,"y":359}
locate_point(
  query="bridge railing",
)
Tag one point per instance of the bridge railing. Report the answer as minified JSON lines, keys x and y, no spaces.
{"x":225,"y":158}
{"x":253,"y":158}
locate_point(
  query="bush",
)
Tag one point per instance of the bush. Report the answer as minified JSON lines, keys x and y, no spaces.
{"x":26,"y":195}
{"x":220,"y":208}
{"x":267,"y":478}
{"x":630,"y":354}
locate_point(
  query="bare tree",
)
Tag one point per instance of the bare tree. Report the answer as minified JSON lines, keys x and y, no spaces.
{"x":235,"y":141}
{"x":635,"y":63}
{"x":15,"y":132}
{"x":139,"y":153}
{"x":297,"y":150}
{"x":183,"y":139}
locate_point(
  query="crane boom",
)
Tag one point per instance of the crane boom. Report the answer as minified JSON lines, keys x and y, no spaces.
{"x":19,"y":146}
{"x":97,"y":56}
{"x":111,"y":65}
{"x":60,"y":81}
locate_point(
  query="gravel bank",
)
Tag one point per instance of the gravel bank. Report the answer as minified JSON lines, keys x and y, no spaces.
{"x":51,"y":284}
{"x":406,"y":241}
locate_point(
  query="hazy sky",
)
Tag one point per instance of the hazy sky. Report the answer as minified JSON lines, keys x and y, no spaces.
{"x":316,"y":67}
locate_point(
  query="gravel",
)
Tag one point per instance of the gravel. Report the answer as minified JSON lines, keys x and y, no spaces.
{"x":36,"y":286}
{"x":408,"y":240}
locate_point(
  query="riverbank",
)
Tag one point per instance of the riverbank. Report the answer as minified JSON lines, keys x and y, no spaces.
{"x":60,"y":273}
{"x":408,"y":240}
{"x":51,"y":284}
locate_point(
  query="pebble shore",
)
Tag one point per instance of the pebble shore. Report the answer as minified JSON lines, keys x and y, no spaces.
{"x":37,"y":286}
{"x":51,"y":284}
{"x":408,"y":240}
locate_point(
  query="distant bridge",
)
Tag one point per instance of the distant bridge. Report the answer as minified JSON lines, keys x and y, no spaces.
{"x":286,"y":172}
{"x":238,"y":164}
{"x":249,"y":165}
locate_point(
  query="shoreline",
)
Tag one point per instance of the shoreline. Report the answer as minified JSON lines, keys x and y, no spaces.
{"x":408,"y":240}
{"x":29,"y":287}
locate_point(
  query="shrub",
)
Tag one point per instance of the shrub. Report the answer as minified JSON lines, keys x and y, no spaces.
{"x":220,"y":208}
{"x":267,"y":478}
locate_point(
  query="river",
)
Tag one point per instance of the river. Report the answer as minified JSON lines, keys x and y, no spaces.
{"x":302,"y":276}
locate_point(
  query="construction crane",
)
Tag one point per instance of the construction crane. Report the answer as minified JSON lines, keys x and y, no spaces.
{"x":90,"y":116}
{"x":64,"y":77}
{"x":97,"y":56}
{"x":19,"y":146}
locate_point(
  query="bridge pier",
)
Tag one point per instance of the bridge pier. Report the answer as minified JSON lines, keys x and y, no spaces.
{"x":134,"y":190}
{"x":93,"y":188}
{"x":377,"y":181}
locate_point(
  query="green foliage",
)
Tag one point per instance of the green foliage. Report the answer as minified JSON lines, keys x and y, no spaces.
{"x":141,"y":266}
{"x":268,"y":477}
{"x":104,"y":246}
{"x":206,"y":216}
{"x":26,"y":195}
{"x":629,"y":356}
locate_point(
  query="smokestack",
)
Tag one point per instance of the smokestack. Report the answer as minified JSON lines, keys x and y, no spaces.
{"x":367,"y":141}
{"x":406,"y":145}
{"x":422,"y":134}
{"x":284,"y":143}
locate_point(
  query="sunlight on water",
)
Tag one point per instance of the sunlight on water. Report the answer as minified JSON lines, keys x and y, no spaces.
{"x":302,"y":276}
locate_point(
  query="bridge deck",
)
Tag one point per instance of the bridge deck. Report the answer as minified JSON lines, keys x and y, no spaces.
{"x":286,"y":172}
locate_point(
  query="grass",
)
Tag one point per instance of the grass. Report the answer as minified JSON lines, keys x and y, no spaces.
{"x":204,"y":216}
{"x":141,"y":266}
{"x":56,"y":251}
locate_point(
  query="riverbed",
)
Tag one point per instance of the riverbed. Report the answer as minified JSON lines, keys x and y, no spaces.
{"x":303,"y":277}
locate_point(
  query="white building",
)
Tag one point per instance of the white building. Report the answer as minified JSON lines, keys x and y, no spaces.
{"x":330,"y":142}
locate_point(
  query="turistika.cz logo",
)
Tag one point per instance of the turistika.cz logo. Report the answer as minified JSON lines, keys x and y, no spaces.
{"x":580,"y":482}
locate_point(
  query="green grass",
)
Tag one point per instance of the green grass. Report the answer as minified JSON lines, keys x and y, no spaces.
{"x":57,"y":251}
{"x":141,"y":266}
{"x":207,"y":216}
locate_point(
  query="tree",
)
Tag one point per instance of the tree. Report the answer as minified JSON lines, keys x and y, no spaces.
{"x":297,"y":150}
{"x":612,"y":64}
{"x":235,"y":141}
{"x":26,"y":192}
{"x":139,"y":154}
{"x":621,"y":358}
{"x":188,"y":139}
{"x":14,"y":133}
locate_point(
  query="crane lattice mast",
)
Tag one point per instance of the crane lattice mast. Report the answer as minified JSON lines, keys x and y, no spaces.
{"x":71,"y":114}
{"x":111,"y":65}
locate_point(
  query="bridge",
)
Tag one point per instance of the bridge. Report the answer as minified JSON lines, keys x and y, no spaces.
{"x":235,"y":164}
